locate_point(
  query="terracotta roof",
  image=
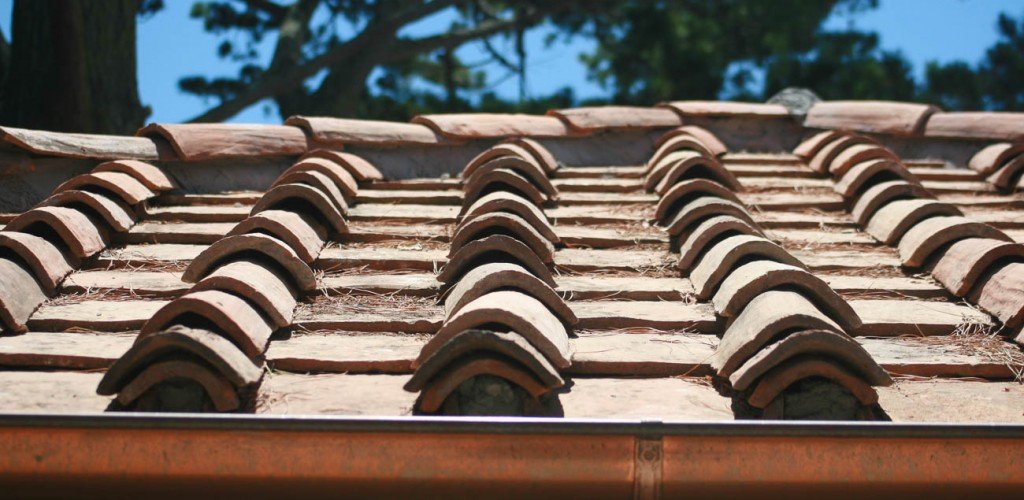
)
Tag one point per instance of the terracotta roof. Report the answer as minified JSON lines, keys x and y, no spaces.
{"x":604,"y":262}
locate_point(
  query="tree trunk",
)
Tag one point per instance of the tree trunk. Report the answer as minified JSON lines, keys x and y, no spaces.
{"x":72,"y":67}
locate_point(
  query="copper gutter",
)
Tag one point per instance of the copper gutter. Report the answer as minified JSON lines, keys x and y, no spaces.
{"x":174,"y":455}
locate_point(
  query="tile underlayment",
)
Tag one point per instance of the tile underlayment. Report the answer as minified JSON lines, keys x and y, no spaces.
{"x":374,"y":310}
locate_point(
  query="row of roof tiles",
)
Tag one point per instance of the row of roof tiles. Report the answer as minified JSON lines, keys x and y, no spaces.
{"x":196,"y":142}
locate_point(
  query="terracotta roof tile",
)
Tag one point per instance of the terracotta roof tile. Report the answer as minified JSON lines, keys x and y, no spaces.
{"x":356,"y":166}
{"x":205,"y":141}
{"x":994,"y":156}
{"x":89,"y":146}
{"x":976,"y":125}
{"x":114,"y":212}
{"x":727,"y":108}
{"x":489,"y":126}
{"x":338,"y":132}
{"x":598,"y":118}
{"x":881,"y":117}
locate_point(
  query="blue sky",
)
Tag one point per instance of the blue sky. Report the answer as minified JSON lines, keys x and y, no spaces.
{"x":171,"y":46}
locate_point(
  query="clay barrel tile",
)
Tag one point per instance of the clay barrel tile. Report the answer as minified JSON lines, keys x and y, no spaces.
{"x":768,"y":315}
{"x":221,"y":394}
{"x":780,"y":377}
{"x":672,"y":160}
{"x":828,"y":153}
{"x":233,"y":317}
{"x":1008,"y":177}
{"x":341,"y":178}
{"x":880,"y":117}
{"x":493,"y":125}
{"x":20,"y":295}
{"x":301,"y":197}
{"x":703,"y":168}
{"x":80,"y":236}
{"x":754,"y":278}
{"x":858,"y":153}
{"x":965,"y":261}
{"x":502,"y":179}
{"x":506,"y":202}
{"x":892,"y":221}
{"x":216,"y":351}
{"x":243,"y":246}
{"x":993,"y":156}
{"x":682,"y":193}
{"x":503,"y":223}
{"x":114,"y":213}
{"x":149,"y":175}
{"x":508,"y":311}
{"x":468,"y":343}
{"x":728,"y":108}
{"x":540,"y":153}
{"x":123,"y":185}
{"x":362,"y":170}
{"x":206,"y":141}
{"x":719,"y":260}
{"x":304,"y":235}
{"x":1002,"y":295}
{"x":927,"y":236}
{"x":810,"y":146}
{"x":822,"y":344}
{"x":86,"y":146}
{"x":337,"y":132}
{"x":881,"y":194}
{"x":713,"y":229}
{"x":319,"y":181}
{"x":710,"y":140}
{"x":498,"y":151}
{"x":493,"y":277}
{"x":678,"y":142}
{"x":529,"y":169}
{"x":998,"y":125}
{"x":261,"y":285}
{"x":494,"y":248}
{"x":449,"y":379}
{"x":703,"y":208}
{"x":45,"y":260}
{"x":599,"y":118}
{"x":868,"y":173}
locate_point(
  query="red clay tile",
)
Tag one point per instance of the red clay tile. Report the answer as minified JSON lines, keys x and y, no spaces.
{"x":686,"y":191}
{"x":486,"y":125}
{"x":691,"y":168}
{"x":506,"y":202}
{"x":488,"y":278}
{"x":713,"y":229}
{"x":927,"y":236}
{"x":149,"y":175}
{"x":540,"y":153}
{"x":89,"y":146}
{"x":20,"y":295}
{"x":214,"y":350}
{"x":501,"y":179}
{"x":768,"y":315}
{"x":1002,"y":295}
{"x":302,"y":197}
{"x":448,"y":380}
{"x":598,"y":118}
{"x":80,"y":237}
{"x":856,"y":154}
{"x":44,"y":259}
{"x":114,"y":213}
{"x":702,"y":208}
{"x":261,"y":285}
{"x":221,"y":394}
{"x":342,"y":131}
{"x":464,"y":344}
{"x":681,"y":143}
{"x":990,"y":158}
{"x":529,"y":169}
{"x":341,"y":178}
{"x":777,"y":379}
{"x":960,"y":266}
{"x":708,"y":139}
{"x":206,"y":141}
{"x":502,"y":223}
{"x":810,"y":146}
{"x":749,"y":280}
{"x":719,"y":261}
{"x":821,"y":344}
{"x":1008,"y":176}
{"x":321,"y":182}
{"x":976,"y":125}
{"x":508,"y":311}
{"x":130,"y":190}
{"x":882,"y":117}
{"x":495,"y":248}
{"x":362,"y":170}
{"x":498,"y":151}
{"x":233,"y":317}
{"x":893,"y":220}
{"x":828,"y":153}
{"x":728,"y":108}
{"x":881,"y":194}
{"x":234,"y":247}
{"x":868,"y":173}
{"x":304,"y":235}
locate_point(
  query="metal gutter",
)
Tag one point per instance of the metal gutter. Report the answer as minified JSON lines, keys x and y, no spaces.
{"x":258,"y":456}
